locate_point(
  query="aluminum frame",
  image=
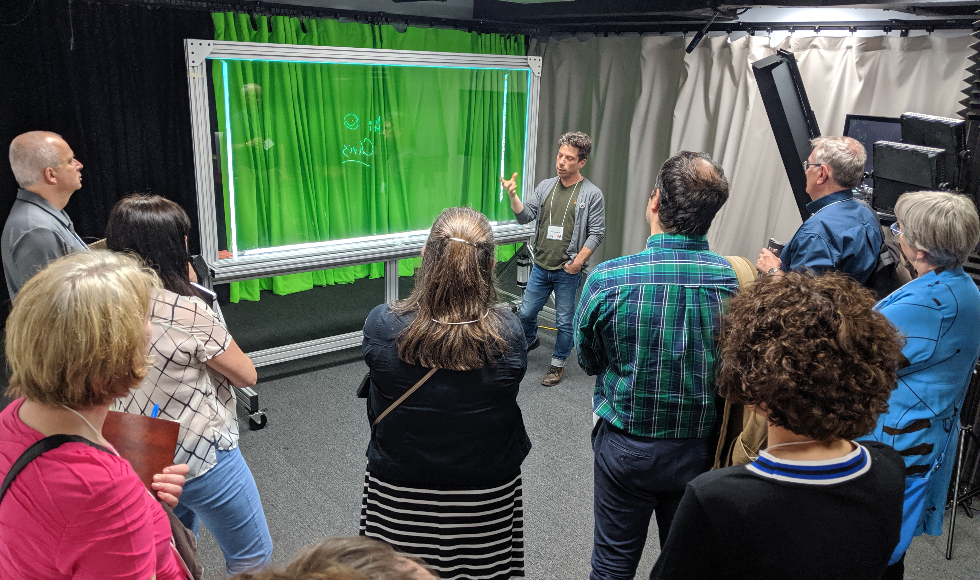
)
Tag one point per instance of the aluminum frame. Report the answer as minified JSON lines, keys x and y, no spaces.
{"x":346,"y":252}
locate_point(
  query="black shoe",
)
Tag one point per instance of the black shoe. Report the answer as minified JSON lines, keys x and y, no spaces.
{"x":534,"y":345}
{"x":553,"y":376}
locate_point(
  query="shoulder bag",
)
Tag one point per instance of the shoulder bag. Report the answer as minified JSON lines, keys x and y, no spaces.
{"x":743,"y":432}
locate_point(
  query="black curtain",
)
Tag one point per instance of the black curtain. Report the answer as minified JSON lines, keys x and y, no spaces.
{"x":111,"y":79}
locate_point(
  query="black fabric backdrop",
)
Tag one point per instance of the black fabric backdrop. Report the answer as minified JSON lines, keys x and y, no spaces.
{"x":111,"y":79}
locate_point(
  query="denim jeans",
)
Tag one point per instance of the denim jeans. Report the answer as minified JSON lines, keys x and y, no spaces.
{"x":539,"y":287}
{"x":227,"y":501}
{"x":635,"y":477}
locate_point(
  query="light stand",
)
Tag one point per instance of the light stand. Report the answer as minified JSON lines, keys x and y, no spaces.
{"x":970,"y":488}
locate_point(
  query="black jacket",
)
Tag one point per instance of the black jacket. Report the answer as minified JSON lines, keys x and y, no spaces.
{"x":459,"y":429}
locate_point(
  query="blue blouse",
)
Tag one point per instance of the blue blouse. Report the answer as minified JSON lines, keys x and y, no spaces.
{"x":939,"y":314}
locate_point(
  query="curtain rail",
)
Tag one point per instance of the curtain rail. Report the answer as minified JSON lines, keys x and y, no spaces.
{"x":739,"y":26}
{"x":259,"y":8}
{"x":639,"y":24}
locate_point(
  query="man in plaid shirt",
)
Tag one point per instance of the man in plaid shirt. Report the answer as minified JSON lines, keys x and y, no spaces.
{"x":646,"y":327}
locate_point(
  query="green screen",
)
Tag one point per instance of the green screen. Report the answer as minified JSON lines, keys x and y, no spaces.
{"x":312,"y":152}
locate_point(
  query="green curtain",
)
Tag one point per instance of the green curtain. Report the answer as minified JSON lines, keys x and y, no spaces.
{"x":331,"y":151}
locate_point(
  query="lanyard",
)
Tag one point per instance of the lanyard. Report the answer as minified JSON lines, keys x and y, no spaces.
{"x":828,"y":205}
{"x":551,"y":210}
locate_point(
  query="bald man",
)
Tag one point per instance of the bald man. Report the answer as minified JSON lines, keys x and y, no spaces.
{"x":38,"y":230}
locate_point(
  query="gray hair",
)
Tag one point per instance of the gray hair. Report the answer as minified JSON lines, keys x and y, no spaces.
{"x":942,"y":224}
{"x":844,"y":156}
{"x":579,"y":140}
{"x":30,"y":154}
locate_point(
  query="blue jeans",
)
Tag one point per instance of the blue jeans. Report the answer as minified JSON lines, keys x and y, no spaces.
{"x":227,"y":501}
{"x":635,"y":477}
{"x":539,"y":287}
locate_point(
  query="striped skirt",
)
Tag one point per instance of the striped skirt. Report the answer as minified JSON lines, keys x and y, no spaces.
{"x":465,"y":534}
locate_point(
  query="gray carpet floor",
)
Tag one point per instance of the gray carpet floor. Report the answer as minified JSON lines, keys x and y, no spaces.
{"x":309,"y":467}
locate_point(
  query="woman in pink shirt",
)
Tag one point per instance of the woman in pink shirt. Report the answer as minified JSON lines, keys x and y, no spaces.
{"x":76,"y":340}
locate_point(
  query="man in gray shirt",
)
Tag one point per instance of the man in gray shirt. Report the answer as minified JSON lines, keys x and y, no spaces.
{"x":38,"y":230}
{"x":571,"y":218}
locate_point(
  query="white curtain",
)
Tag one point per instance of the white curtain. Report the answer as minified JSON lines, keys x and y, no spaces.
{"x":643,"y":99}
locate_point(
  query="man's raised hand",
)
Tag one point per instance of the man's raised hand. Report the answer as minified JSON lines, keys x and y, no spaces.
{"x":510,"y":185}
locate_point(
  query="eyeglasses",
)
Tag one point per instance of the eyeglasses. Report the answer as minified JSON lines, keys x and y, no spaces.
{"x":897,"y":231}
{"x":807,"y":165}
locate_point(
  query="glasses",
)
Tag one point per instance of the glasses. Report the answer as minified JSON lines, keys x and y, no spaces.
{"x":897,"y":231}
{"x":807,"y":165}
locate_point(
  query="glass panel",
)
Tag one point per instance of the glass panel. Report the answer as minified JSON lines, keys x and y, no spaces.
{"x":311,"y":153}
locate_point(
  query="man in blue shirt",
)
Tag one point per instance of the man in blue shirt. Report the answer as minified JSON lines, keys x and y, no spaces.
{"x":841,"y":233}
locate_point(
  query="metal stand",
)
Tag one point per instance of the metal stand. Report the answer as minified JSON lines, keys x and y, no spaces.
{"x":964,"y":492}
{"x":247,"y":402}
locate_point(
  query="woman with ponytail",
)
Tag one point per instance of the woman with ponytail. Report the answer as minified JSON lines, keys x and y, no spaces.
{"x":443,"y":475}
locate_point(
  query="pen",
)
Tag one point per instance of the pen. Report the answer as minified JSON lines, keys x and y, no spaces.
{"x":155,"y":411}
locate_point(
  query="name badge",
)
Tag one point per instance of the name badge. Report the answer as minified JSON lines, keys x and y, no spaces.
{"x":555,"y":232}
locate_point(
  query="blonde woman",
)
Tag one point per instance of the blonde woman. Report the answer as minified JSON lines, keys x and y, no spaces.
{"x":77,"y":338}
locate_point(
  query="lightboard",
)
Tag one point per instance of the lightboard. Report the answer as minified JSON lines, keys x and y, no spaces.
{"x":316,"y":157}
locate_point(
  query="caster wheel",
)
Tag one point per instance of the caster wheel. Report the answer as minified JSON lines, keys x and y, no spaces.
{"x":257,"y":421}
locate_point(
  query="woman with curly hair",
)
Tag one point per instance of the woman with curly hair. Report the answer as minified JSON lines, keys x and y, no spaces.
{"x":443,"y":478}
{"x":812,"y":357}
{"x":939,"y":312}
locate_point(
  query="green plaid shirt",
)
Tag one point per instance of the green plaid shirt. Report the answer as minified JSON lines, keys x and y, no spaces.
{"x":646,"y":326}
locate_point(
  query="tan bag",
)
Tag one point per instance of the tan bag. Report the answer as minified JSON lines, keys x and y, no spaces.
{"x":743,"y":432}
{"x":755,"y":433}
{"x":744,"y":270}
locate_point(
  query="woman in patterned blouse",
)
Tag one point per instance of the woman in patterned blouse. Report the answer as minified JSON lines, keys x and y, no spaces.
{"x":195,"y":364}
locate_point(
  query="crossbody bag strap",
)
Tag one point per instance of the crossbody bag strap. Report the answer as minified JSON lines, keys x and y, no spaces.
{"x":36,"y":450}
{"x":403,"y":397}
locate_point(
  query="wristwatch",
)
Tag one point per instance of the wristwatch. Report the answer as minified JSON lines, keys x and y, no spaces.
{"x":772,"y":271}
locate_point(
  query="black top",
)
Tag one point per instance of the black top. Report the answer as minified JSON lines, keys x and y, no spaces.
{"x":460,"y":428}
{"x":766,"y":521}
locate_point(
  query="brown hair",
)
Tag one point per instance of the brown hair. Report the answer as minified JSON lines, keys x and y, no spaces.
{"x":692,"y":189}
{"x":455,"y":284}
{"x":374,"y":559}
{"x":578,"y":140}
{"x":329,"y":571}
{"x":76,"y":335}
{"x":813,"y":352}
